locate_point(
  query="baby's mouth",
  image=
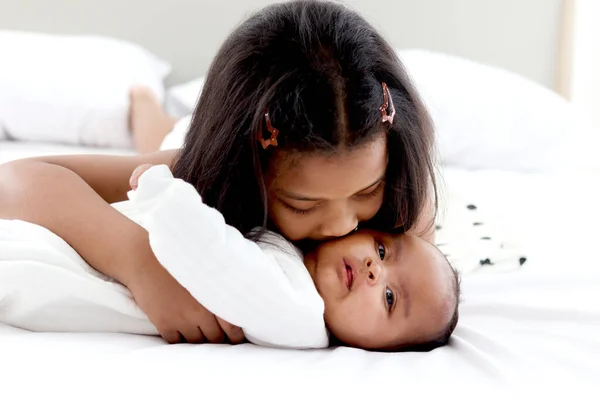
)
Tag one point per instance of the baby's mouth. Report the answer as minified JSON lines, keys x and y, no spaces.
{"x":349,"y":277}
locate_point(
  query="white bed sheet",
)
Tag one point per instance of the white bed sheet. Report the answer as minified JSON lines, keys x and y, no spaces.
{"x":13,"y":150}
{"x":538,"y":327}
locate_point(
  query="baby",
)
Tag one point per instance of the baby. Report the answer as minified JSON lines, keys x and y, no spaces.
{"x":385,"y":291}
{"x":370,"y":289}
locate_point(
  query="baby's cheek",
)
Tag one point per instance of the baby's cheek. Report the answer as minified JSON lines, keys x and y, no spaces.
{"x":351,"y":320}
{"x":339,"y":325}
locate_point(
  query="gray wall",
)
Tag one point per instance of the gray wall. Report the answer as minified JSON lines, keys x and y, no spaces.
{"x":521,"y":35}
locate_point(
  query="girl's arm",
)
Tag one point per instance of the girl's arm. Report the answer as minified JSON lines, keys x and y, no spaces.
{"x":69,"y":196}
{"x":108,"y":176}
{"x":264,"y":289}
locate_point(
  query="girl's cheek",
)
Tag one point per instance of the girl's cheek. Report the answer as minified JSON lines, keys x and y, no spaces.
{"x":371,"y":209}
{"x":293,"y":229}
{"x":286,"y":225}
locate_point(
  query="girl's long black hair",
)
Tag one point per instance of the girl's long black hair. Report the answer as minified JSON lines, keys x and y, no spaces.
{"x":317,"y":67}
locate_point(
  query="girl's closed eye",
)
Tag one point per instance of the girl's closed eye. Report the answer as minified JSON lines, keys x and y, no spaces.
{"x":299,"y":211}
{"x":372,"y":193}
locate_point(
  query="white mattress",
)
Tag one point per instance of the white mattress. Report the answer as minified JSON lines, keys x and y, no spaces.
{"x":538,"y":327}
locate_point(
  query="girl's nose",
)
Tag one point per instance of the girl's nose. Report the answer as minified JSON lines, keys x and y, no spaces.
{"x":339,"y":223}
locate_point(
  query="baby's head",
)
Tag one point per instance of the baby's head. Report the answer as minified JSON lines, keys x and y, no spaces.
{"x":386,"y":291}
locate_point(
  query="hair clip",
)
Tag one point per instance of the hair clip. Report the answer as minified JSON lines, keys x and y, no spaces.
{"x":387,"y":103}
{"x":272,"y":141}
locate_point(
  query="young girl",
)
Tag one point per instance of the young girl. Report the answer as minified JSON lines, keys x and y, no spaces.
{"x":294,"y":132}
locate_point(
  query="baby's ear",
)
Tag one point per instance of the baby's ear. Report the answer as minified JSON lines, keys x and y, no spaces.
{"x":135,"y":176}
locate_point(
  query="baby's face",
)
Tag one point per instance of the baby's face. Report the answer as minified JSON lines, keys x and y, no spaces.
{"x":383,"y":291}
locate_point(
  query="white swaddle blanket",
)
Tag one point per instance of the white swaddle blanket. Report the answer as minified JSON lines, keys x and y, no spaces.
{"x":266,"y":290}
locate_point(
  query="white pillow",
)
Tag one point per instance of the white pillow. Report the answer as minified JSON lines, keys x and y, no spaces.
{"x":175,"y":138}
{"x":180,"y":102}
{"x":72,"y":89}
{"x":489,"y":118}
{"x":181,"y":99}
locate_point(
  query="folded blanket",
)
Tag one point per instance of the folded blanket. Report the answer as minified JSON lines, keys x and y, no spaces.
{"x":46,"y":286}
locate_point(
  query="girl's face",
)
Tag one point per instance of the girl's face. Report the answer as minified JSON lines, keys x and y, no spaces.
{"x":322,"y":197}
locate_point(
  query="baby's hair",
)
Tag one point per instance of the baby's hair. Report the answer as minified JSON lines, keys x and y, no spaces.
{"x":318,"y":68}
{"x":443,"y":338}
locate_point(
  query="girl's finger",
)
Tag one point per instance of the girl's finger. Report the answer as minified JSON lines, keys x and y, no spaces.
{"x":135,"y":176}
{"x":172,"y":337}
{"x":211,"y":329}
{"x":234,"y":334}
{"x":193,"y":335}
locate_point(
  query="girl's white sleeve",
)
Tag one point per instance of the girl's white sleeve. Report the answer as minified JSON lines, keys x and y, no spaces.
{"x":266,"y":291}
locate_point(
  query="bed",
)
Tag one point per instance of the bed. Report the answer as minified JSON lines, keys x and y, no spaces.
{"x":531,"y":330}
{"x":538,"y":327}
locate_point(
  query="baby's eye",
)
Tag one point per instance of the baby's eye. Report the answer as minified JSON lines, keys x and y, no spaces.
{"x":381,"y":250}
{"x":389,"y":298}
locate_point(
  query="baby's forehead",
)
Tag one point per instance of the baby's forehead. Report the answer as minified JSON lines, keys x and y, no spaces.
{"x":398,"y":238}
{"x":383,"y":234}
{"x":412,"y":245}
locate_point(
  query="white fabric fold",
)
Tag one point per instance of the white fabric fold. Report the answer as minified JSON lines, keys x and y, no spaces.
{"x":45,"y":286}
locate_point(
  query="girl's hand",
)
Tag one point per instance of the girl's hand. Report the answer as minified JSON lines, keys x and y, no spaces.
{"x":178,"y":317}
{"x":171,"y":308}
{"x":135,"y":176}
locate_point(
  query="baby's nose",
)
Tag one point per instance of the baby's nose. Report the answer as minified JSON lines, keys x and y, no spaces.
{"x":373,"y":271}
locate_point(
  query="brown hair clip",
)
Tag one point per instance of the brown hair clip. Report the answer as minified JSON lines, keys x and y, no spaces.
{"x":387,"y":103}
{"x":272,"y":141}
